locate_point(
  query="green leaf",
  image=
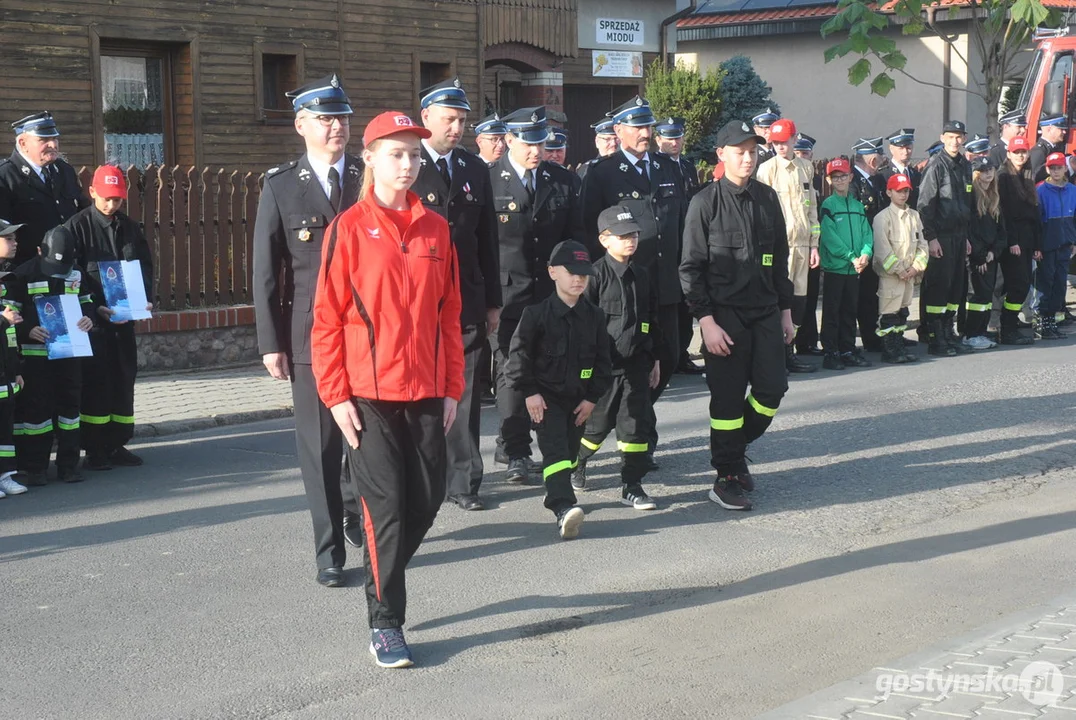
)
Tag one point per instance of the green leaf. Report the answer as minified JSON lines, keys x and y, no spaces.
{"x":913,"y":27}
{"x":882,"y":44}
{"x":882,"y":84}
{"x":1029,"y":12}
{"x":858,"y":43}
{"x":859,"y":72}
{"x":895,"y":60}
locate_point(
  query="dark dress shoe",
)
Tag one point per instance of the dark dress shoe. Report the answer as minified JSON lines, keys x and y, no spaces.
{"x":468,"y":502}
{"x":687,"y":367}
{"x":31,"y":479}
{"x":353,"y":530}
{"x":124,"y":458}
{"x":813,"y":351}
{"x":331,"y":577}
{"x":69,"y":475}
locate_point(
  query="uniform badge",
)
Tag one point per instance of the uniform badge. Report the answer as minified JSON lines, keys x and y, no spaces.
{"x":470,"y":197}
{"x":25,"y":171}
{"x":423,"y":162}
{"x":545,"y":174}
{"x":503,"y":218}
{"x":433,"y":249}
{"x":767,"y":260}
{"x":655,"y":164}
{"x":304,"y":235}
{"x":635,"y":194}
{"x":304,"y":174}
{"x":623,"y":167}
{"x":459,"y":161}
{"x":467,"y":188}
{"x":512,"y":206}
{"x":431,"y":198}
{"x":505,"y":175}
{"x":354,"y":171}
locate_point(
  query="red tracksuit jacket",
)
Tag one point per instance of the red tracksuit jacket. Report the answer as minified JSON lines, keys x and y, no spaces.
{"x":387,"y":309}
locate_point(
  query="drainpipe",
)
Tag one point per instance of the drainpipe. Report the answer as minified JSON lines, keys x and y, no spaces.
{"x":947,"y":69}
{"x":669,"y":21}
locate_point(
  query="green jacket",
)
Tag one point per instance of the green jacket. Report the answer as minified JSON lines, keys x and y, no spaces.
{"x":846,"y":234}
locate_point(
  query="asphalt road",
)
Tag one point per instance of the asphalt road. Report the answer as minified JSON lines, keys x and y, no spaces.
{"x":897,"y":507}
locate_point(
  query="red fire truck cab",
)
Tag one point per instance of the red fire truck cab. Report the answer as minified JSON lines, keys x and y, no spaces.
{"x":1048,"y":88}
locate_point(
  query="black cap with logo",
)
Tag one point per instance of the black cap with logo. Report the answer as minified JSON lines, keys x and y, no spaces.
{"x":573,"y":256}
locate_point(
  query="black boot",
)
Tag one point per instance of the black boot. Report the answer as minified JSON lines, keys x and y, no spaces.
{"x":951,"y":338}
{"x":794,"y":365}
{"x":936,"y":339}
{"x":1010,"y":332}
{"x":893,"y":349}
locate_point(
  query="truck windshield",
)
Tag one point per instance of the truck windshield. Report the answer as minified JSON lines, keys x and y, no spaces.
{"x":1029,"y":81}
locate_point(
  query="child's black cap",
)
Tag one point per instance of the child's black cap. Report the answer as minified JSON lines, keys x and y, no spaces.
{"x":617,"y":220}
{"x":7,"y":228}
{"x":573,"y":256}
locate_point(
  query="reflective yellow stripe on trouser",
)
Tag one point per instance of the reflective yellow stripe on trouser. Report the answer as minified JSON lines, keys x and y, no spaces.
{"x":632,"y":447}
{"x":716,"y":424}
{"x":95,"y":419}
{"x":123,"y":419}
{"x":760,"y":408}
{"x":67,"y":423}
{"x":589,"y":445}
{"x":1013,"y":307}
{"x":977,"y":307}
{"x":557,"y":467}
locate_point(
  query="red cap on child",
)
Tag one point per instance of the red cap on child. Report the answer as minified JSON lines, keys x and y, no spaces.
{"x":838,"y":165}
{"x":782,"y":130}
{"x":1055,"y":160}
{"x":898,"y":182}
{"x":109,"y":182}
{"x":390,"y":123}
{"x":1019,"y":143}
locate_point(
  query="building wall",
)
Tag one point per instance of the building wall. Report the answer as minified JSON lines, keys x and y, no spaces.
{"x":376,"y":45}
{"x":818,"y":97}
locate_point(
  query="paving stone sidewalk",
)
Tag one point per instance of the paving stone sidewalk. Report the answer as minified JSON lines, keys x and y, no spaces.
{"x":166,"y":404}
{"x":1023,"y":666}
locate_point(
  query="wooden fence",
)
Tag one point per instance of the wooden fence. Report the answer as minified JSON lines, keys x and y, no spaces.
{"x":200,"y":226}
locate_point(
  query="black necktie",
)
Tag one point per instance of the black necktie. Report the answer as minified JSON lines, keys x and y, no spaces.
{"x":49,"y":184}
{"x":442,"y":165}
{"x":642,"y":169}
{"x":528,"y":182}
{"x":334,"y":189}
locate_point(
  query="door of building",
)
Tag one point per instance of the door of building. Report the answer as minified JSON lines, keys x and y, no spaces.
{"x":585,"y":105}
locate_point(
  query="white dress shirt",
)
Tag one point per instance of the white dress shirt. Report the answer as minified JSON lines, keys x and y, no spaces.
{"x":321,"y":170}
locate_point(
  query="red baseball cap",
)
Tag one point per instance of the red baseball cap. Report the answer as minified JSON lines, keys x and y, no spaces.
{"x":782,"y":130}
{"x":109,"y":182}
{"x":1019,"y":143}
{"x":899,"y":181}
{"x":1055,"y":160}
{"x":838,"y":165}
{"x":390,"y":123}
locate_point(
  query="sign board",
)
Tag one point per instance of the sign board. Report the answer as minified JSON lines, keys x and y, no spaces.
{"x":616,"y":63}
{"x":613,"y":31}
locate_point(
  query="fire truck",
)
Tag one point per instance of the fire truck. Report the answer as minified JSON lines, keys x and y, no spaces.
{"x":1048,"y":87}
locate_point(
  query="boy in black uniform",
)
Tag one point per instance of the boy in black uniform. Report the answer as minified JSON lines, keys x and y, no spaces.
{"x":559,"y":361}
{"x":10,"y":367}
{"x":735,"y":277}
{"x":53,"y":387}
{"x":104,"y":233}
{"x":629,"y":300}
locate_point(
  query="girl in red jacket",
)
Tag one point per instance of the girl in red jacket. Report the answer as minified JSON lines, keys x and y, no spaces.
{"x":388,"y":360}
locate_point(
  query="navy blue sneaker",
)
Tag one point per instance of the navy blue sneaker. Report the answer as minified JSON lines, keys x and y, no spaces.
{"x":390,"y":649}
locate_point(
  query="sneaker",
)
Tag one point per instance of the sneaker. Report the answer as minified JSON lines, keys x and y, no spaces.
{"x":579,"y":477}
{"x":979,"y":342}
{"x":2,"y":495}
{"x":499,"y":456}
{"x":8,"y":486}
{"x":568,"y":521}
{"x":854,"y":359}
{"x":390,"y":649}
{"x":744,"y":479}
{"x":832,"y":361}
{"x":636,"y":497}
{"x":124,"y":458}
{"x":97,"y":461}
{"x":728,"y":494}
{"x":517,"y":471}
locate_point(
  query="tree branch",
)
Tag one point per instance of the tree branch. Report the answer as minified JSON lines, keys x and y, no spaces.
{"x":913,"y":78}
{"x":945,"y":38}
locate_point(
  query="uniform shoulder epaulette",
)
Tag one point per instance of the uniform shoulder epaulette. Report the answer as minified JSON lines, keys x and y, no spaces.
{"x":281,"y":168}
{"x":608,"y":158}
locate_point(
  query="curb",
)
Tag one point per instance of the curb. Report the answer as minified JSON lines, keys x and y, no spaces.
{"x":175,"y":427}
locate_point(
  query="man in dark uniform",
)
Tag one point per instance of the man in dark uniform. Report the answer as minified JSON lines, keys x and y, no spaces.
{"x":38,"y":189}
{"x":489,"y":137}
{"x":536,"y":208}
{"x":651,"y":186}
{"x":556,"y":150}
{"x":455,"y":184}
{"x":299,"y":200}
{"x":1013,"y":124}
{"x":807,"y":335}
{"x":669,"y":137}
{"x":1052,"y":128}
{"x":762,"y":123}
{"x":735,"y":276}
{"x":605,"y":141}
{"x":978,"y":146}
{"x":866,"y":188}
{"x":901,"y":146}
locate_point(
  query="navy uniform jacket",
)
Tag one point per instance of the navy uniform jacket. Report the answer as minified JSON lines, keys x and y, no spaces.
{"x":95,"y":243}
{"x":561,"y":352}
{"x":690,"y":176}
{"x":1036,"y":159}
{"x":25,"y":199}
{"x":658,"y":205}
{"x":632,"y":326}
{"x":293,"y":214}
{"x":880,"y":178}
{"x":867,"y":191}
{"x":529,"y":232}
{"x":468,"y":207}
